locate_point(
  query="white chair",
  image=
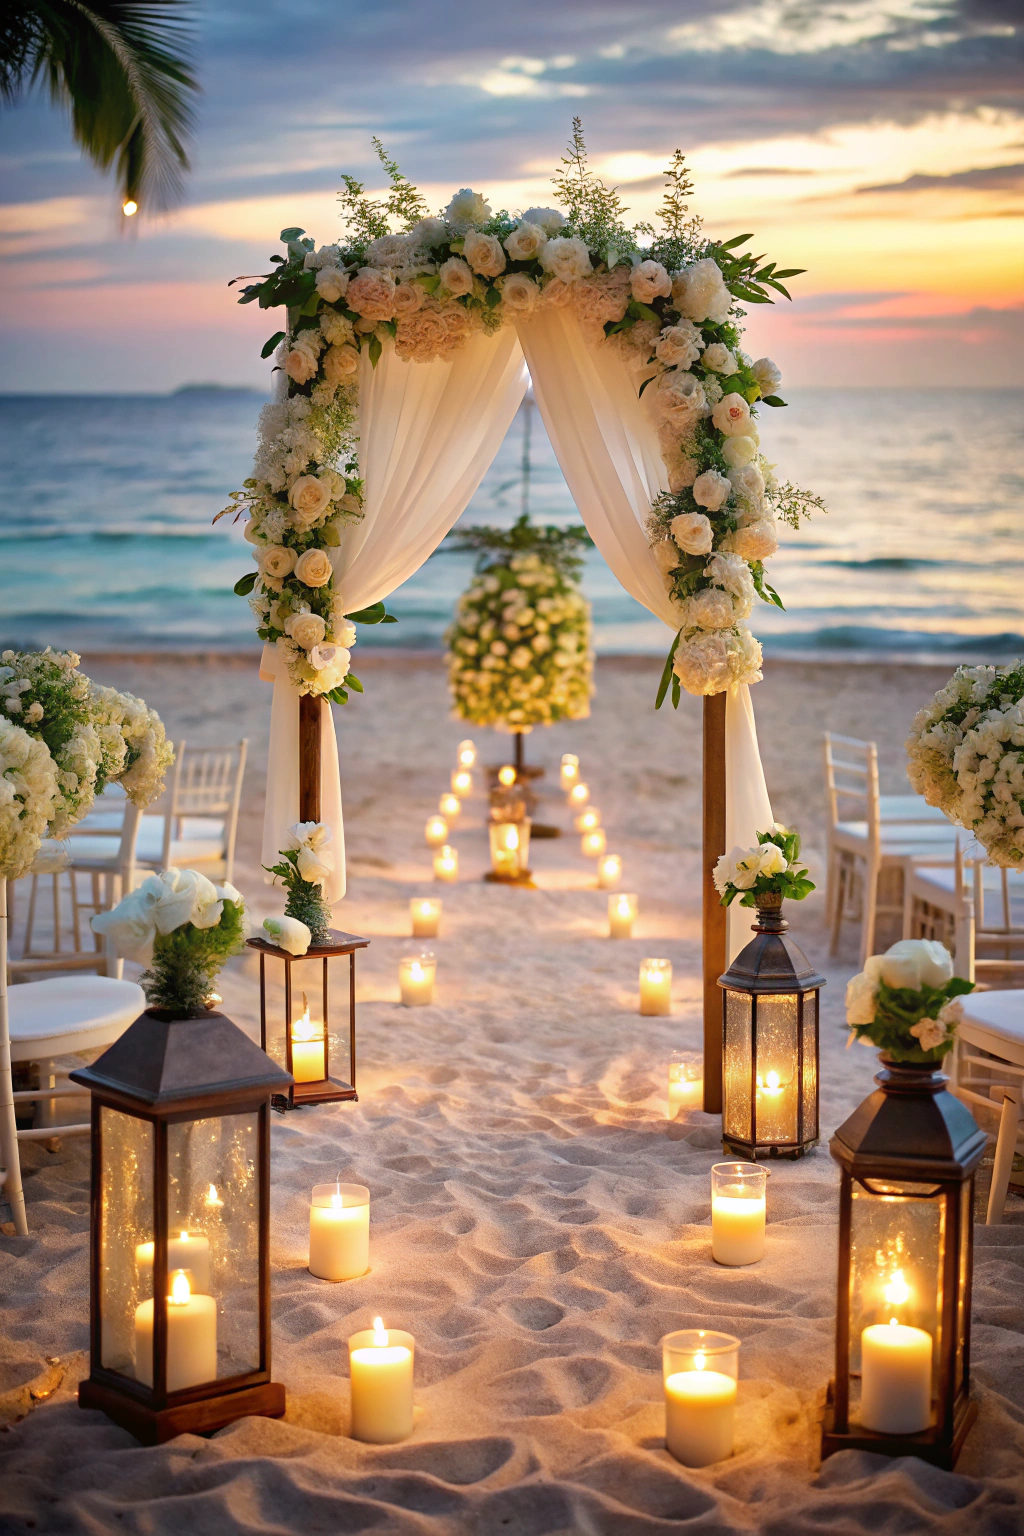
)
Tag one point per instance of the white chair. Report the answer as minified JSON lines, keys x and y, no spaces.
{"x":47,"y":1019}
{"x":987,"y":1066}
{"x":199,"y":825}
{"x":937,"y":905}
{"x":994,"y":897}
{"x":869,"y":835}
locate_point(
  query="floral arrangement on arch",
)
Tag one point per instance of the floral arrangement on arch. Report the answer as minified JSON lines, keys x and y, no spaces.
{"x":519,"y":651}
{"x":771,"y":869}
{"x":965,"y":754}
{"x":668,"y":301}
{"x":907,"y":1001}
{"x":62,"y":739}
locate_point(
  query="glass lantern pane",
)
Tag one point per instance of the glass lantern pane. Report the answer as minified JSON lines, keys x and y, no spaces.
{"x":810,"y":1064}
{"x":778,"y":1068}
{"x":963,"y":1319}
{"x":126,"y":1238}
{"x":736,"y":1061}
{"x":213,"y":1201}
{"x":308,"y":980}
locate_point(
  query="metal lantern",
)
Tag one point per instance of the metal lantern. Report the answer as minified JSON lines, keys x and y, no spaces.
{"x":770,"y":1044}
{"x":180,"y":1243}
{"x":301,"y":1038}
{"x":510,"y":852}
{"x":903,"y":1316}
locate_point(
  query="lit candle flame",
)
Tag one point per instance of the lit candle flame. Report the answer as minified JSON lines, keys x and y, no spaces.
{"x":511,"y":839}
{"x":623,"y":906}
{"x":181,"y":1291}
{"x":507,"y":775}
{"x":130,"y":208}
{"x":212,"y":1197}
{"x":897,"y":1292}
{"x":302,"y":1029}
{"x":698,"y":1362}
{"x":184,"y":1237}
{"x":380,"y":1333}
{"x":773,"y":1082}
{"x":416,"y":971}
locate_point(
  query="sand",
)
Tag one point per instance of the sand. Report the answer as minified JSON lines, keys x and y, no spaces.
{"x":537,"y":1223}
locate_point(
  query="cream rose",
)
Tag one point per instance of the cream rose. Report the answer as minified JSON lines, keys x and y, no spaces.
{"x":314,"y":568}
{"x":547,"y":219}
{"x":666,"y":555}
{"x":519,"y":293}
{"x":372,"y":294}
{"x":306,"y":629}
{"x":340,"y":363}
{"x":526,"y":242}
{"x":650,"y":281}
{"x":456,"y":276}
{"x":767,"y":375}
{"x":566,"y":258}
{"x":679,"y":397}
{"x":309,"y":497}
{"x":331,"y":283}
{"x":748,"y":484}
{"x":693,"y":533}
{"x":731,"y":415}
{"x":408,"y":299}
{"x":711,"y":490}
{"x":711,"y":608}
{"x":678,"y":345}
{"x":484,"y":254}
{"x":757,"y":541}
{"x":467,"y":207}
{"x":681,"y":473}
{"x":344,"y":629}
{"x":300,"y":365}
{"x":719,"y":359}
{"x":428,"y":232}
{"x":699,"y":292}
{"x":276,"y":562}
{"x":737,"y":451}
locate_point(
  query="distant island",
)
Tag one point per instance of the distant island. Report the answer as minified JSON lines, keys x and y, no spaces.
{"x":217,"y":389}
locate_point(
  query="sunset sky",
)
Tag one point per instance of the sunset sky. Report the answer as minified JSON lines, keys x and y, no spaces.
{"x":878,"y":143}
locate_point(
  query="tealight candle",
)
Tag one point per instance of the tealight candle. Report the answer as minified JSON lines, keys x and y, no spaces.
{"x":655,"y":987}
{"x":609,"y":871}
{"x":446,"y":864}
{"x":462,"y":782}
{"x":309,"y":1048}
{"x":507,"y":775}
{"x":449,"y":805}
{"x":380,"y":1363}
{"x":466,"y":754}
{"x":896,"y":1370}
{"x":587,"y":820}
{"x":737,"y":1213}
{"x":579,"y":794}
{"x":621,"y":916}
{"x":594,"y":843}
{"x":213,"y":1202}
{"x":191,"y":1337}
{"x":436,"y":832}
{"x":685,"y":1085}
{"x":186,"y":1251}
{"x":339,"y":1231}
{"x":426,"y":916}
{"x":416,"y":979}
{"x":568,"y":771}
{"x":699,"y":1371}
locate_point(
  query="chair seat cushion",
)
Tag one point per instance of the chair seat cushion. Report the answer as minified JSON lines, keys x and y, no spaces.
{"x":908,"y":808}
{"x":70,"y":1013}
{"x":994,"y":1021}
{"x":200,"y":837}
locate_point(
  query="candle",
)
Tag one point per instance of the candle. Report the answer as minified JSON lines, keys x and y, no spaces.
{"x":593,"y":844}
{"x":776,"y":1110}
{"x":621,"y":913}
{"x":426,"y":916}
{"x":462,"y":782}
{"x":510,"y":844}
{"x":449,"y":805}
{"x":507,"y":775}
{"x":587,"y":820}
{"x":186,"y":1251}
{"x":655,"y":987}
{"x":436,"y":831}
{"x":579,"y":794}
{"x":896,"y":1370}
{"x":446,"y":864}
{"x":699,"y":1371}
{"x":191,"y":1337}
{"x":685,"y":1086}
{"x":737,"y":1213}
{"x":466,"y":754}
{"x":339,"y":1231}
{"x":380,"y":1362}
{"x":416,"y":979}
{"x":309,"y":1048}
{"x":609,"y":871}
{"x":569,"y":771}
{"x":213,"y":1201}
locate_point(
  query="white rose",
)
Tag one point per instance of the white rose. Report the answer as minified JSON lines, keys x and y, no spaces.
{"x":666,"y":555}
{"x":711,"y":490}
{"x":738,"y":451}
{"x":306,"y":629}
{"x":693,"y":533}
{"x":746,"y":867}
{"x":466,"y":208}
{"x":526,"y":242}
{"x":681,"y":474}
{"x":344,"y":630}
{"x":428,"y":232}
{"x":456,"y":276}
{"x":300,"y":365}
{"x":930,"y":1033}
{"x":340,"y":363}
{"x":861,"y":999}
{"x":772,"y":860}
{"x":313,"y":568}
{"x":519,"y":292}
{"x":767,"y":375}
{"x":679,"y":397}
{"x":331,"y":283}
{"x":287,"y":933}
{"x":566,"y":258}
{"x":309,"y":497}
{"x":711,"y":608}
{"x":748,"y":484}
{"x":718,"y":358}
{"x":548,"y":219}
{"x":331,"y":662}
{"x":915,"y":963}
{"x":731,"y":415}
{"x":650,"y":281}
{"x":484,"y":254}
{"x":726,"y":868}
{"x":757,"y":541}
{"x":275,"y":563}
{"x":733,"y":574}
{"x":699,"y":292}
{"x":678,"y":345}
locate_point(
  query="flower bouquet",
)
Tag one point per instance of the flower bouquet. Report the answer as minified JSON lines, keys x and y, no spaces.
{"x":182,"y":928}
{"x":907,"y":1002}
{"x":304,"y":867}
{"x":765,"y":875}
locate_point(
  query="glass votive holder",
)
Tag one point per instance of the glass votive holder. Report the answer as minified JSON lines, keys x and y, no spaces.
{"x":449,"y":805}
{"x":425,"y":913}
{"x":466,"y":755}
{"x":339,"y":1231}
{"x":461,"y":782}
{"x":594,"y":843}
{"x":436,"y":832}
{"x":609,"y":871}
{"x":738,"y":1207}
{"x":587,"y":820}
{"x":446,"y":864}
{"x":622,"y":909}
{"x":699,"y":1371}
{"x":568,"y":771}
{"x":510,"y":848}
{"x":685,"y":1084}
{"x":579,"y":794}
{"x":416,"y":979}
{"x":655,"y":987}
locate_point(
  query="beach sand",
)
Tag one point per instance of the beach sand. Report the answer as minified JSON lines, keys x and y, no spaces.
{"x":537,"y":1223}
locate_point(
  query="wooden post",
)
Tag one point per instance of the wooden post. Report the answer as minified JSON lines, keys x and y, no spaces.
{"x":309,"y":757}
{"x":715,"y":916}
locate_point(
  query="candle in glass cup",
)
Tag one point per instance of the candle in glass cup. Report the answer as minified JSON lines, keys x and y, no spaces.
{"x":380,"y":1362}
{"x":191,"y":1337}
{"x":446,"y":864}
{"x":436,"y":832}
{"x":449,"y":805}
{"x":621,"y":915}
{"x":462,"y":782}
{"x":339,"y":1231}
{"x":699,"y":1371}
{"x":593,"y":843}
{"x":569,"y":771}
{"x":426,"y":916}
{"x":609,"y":871}
{"x":738,"y":1211}
{"x":685,"y":1085}
{"x":416,"y":979}
{"x":466,"y":754}
{"x":309,"y":1048}
{"x":587,"y":820}
{"x":896,"y":1369}
{"x":655,"y":987}
{"x":579,"y":794}
{"x":506,"y":775}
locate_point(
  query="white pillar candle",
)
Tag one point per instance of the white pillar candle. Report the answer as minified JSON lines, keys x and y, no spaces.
{"x":416,"y":979}
{"x":188,"y":1251}
{"x":449,"y":805}
{"x":436,"y":832}
{"x":579,"y":794}
{"x":446,"y":864}
{"x":462,"y":782}
{"x":655,"y":987}
{"x":466,"y":754}
{"x":380,"y":1362}
{"x":896,"y":1378}
{"x":426,"y":916}
{"x":569,"y":771}
{"x":685,"y":1086}
{"x":588,"y":820}
{"x":700,"y":1411}
{"x":609,"y":871}
{"x":191,"y":1338}
{"x":309,"y":1048}
{"x":738,"y":1211}
{"x":621,"y":915}
{"x":593,"y":844}
{"x":339,"y":1231}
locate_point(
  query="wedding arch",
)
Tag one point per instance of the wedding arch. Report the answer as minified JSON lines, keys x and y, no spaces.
{"x":408,"y":347}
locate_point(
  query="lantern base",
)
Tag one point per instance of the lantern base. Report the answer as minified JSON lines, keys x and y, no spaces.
{"x":153,"y":1426}
{"x":525,"y":879}
{"x":328,"y":1090}
{"x":544,"y":829}
{"x":927,"y":1445}
{"x":754,"y":1154}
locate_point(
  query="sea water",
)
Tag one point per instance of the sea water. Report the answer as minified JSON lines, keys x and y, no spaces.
{"x":108,"y":540}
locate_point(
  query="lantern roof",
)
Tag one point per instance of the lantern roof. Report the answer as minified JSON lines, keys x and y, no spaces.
{"x":164,"y":1062}
{"x":910,"y":1128}
{"x":771,"y":962}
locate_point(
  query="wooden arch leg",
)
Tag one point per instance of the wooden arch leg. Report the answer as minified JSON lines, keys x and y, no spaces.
{"x":715,"y":916}
{"x":310,"y":708}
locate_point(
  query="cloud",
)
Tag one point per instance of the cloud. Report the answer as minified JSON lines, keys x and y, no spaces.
{"x":992,"y":178}
{"x":766,"y":170}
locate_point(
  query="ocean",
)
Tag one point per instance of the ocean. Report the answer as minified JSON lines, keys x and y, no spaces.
{"x":107,"y":507}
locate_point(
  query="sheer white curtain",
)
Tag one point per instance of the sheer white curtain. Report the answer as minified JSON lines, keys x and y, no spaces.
{"x":427,"y":434}
{"x":609,"y":454}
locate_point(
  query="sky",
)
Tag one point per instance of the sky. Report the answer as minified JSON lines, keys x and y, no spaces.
{"x":877,"y":143}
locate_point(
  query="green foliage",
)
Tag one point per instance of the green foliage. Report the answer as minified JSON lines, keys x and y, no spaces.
{"x":790,"y":504}
{"x":305,"y":901}
{"x":897,"y":1009}
{"x":404,"y":202}
{"x":680,"y":242}
{"x":594,"y":211}
{"x":187,"y":961}
{"x":744,"y":277}
{"x":562,"y":548}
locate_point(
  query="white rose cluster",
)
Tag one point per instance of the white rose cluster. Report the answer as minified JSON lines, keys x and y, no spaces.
{"x":162,"y":904}
{"x":909,"y":965}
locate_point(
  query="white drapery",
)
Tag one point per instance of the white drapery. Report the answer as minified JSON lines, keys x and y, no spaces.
{"x":427,"y":435}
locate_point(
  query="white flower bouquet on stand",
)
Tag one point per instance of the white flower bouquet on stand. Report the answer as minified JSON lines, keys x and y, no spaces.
{"x":765,"y":875}
{"x":907,"y":1002}
{"x":303,"y":868}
